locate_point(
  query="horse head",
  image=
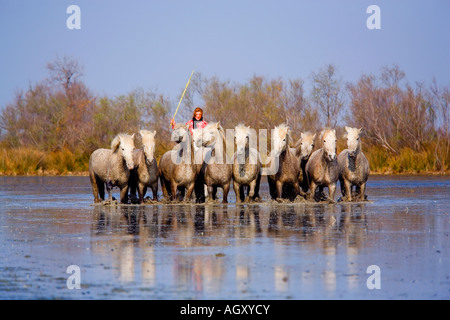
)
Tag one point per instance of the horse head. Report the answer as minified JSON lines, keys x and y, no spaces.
{"x":328,"y":136}
{"x":180,"y":133}
{"x":306,"y":145}
{"x":148,"y":141}
{"x":280,"y":139}
{"x":353,"y":140}
{"x":124,"y":145}
{"x":242,"y":138}
{"x":211,"y":134}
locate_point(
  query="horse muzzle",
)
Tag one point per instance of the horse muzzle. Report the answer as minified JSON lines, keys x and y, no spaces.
{"x":332,"y":157}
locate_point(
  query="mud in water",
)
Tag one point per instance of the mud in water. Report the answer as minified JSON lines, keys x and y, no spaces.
{"x":263,"y":250}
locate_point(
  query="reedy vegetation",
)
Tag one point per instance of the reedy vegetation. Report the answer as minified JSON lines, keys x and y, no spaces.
{"x":56,"y":124}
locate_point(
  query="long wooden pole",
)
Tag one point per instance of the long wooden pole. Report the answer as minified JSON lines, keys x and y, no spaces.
{"x":179,"y":103}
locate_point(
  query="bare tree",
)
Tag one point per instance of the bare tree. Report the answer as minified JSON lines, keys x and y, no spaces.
{"x":65,"y":71}
{"x":327,"y":94}
{"x":440,"y":99}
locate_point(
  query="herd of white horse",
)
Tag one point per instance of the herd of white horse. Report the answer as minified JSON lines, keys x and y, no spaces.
{"x":199,"y":164}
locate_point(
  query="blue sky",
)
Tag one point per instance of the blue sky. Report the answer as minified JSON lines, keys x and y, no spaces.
{"x":131,"y":44}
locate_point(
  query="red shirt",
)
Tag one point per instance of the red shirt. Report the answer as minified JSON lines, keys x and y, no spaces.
{"x":200,"y":125}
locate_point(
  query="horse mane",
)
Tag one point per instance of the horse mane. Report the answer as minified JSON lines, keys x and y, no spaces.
{"x":243,"y":127}
{"x":322,"y":133}
{"x":219,"y":128}
{"x":303,"y":135}
{"x":285,"y":127}
{"x":115,"y":143}
{"x":181,"y":126}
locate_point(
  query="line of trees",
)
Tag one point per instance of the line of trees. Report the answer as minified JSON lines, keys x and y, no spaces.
{"x":406,"y":126}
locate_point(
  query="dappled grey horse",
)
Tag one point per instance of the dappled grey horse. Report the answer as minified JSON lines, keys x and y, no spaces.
{"x":322,"y":167}
{"x":112,"y":167}
{"x":246,"y":164}
{"x":354,"y":167}
{"x":177,"y":167}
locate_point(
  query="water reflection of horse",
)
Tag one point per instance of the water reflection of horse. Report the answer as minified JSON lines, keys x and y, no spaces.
{"x":306,"y":221}
{"x":128,"y":239}
{"x":321,"y":226}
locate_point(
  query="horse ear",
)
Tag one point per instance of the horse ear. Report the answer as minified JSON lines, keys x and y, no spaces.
{"x":301,"y":135}
{"x":347,"y":129}
{"x":154,"y":133}
{"x":360,"y":130}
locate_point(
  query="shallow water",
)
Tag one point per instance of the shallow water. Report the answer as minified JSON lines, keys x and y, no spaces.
{"x":253,"y":251}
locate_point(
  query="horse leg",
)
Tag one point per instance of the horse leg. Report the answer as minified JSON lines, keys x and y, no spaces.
{"x":141,"y":191}
{"x":109,"y":187}
{"x":298,"y":190}
{"x":251,"y":193}
{"x":210,"y":192}
{"x":257,"y":185}
{"x":362,"y":192}
{"x":272,"y":188}
{"x":226,"y":189}
{"x":199,"y":190}
{"x":279,"y":186}
{"x":342,"y":184}
{"x":155,"y":191}
{"x":189,"y":191}
{"x":214,"y":192}
{"x":124,"y":194}
{"x":98,"y":188}
{"x":312,"y":187}
{"x":164,"y":187}
{"x":348,"y":190}
{"x":237,"y":191}
{"x":331,"y":191}
{"x":243,"y":192}
{"x":174,"y":189}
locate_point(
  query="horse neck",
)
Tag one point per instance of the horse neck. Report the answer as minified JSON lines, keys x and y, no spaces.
{"x":285,"y":153}
{"x":324,"y":159}
{"x":303,"y":162}
{"x":187,"y":150}
{"x":353,"y":163}
{"x":219,"y":148}
{"x":247,"y":153}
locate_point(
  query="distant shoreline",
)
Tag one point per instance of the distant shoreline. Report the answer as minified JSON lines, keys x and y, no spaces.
{"x":86,"y":174}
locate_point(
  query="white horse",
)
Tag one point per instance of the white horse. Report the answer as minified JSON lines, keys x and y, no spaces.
{"x":246,"y":164}
{"x":202,"y":155}
{"x":146,"y":173}
{"x":284,"y":162}
{"x":218,"y":170}
{"x":322,"y":168}
{"x":303,"y":149}
{"x":112,"y":167}
{"x":177,"y":167}
{"x":354,"y":167}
